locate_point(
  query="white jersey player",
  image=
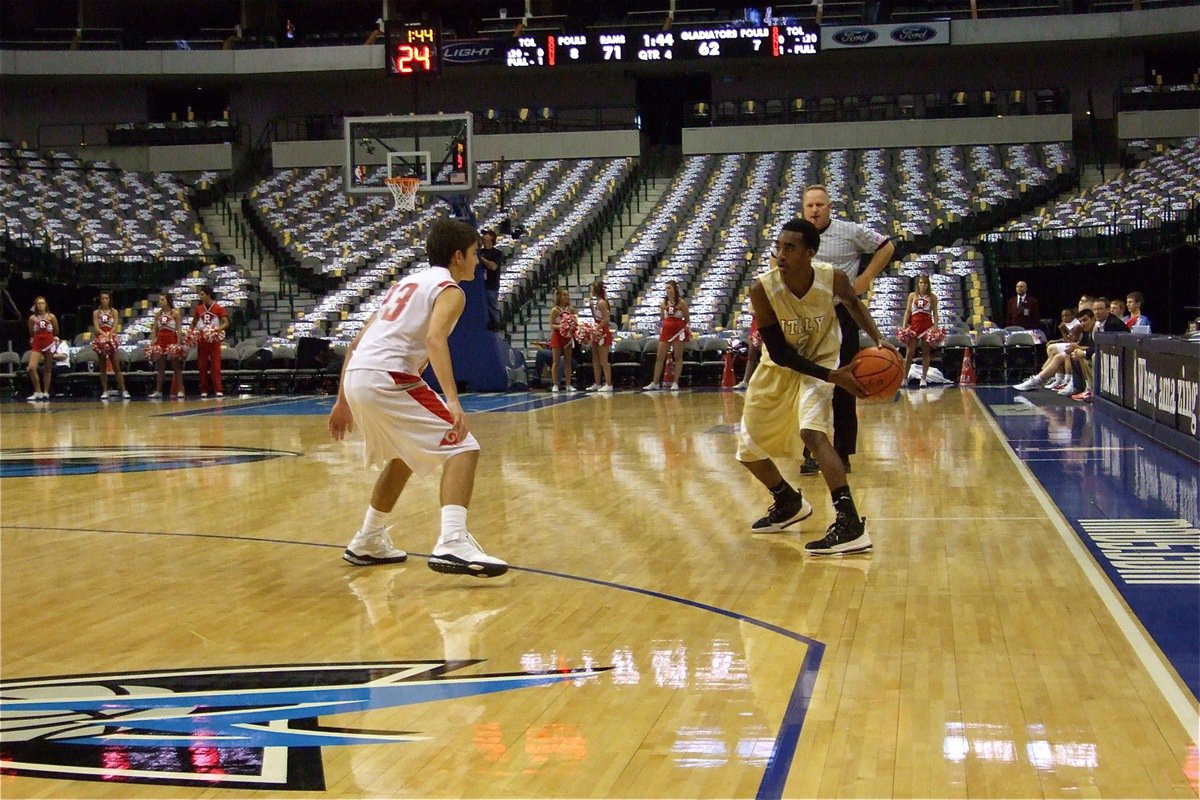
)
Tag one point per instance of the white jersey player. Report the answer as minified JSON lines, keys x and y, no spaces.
{"x":407,"y":427}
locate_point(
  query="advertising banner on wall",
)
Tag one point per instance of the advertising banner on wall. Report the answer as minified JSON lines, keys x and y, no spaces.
{"x":908,"y":34}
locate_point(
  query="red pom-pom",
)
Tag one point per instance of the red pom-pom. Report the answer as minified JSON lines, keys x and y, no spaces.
{"x":905,"y":335}
{"x":585,"y":333}
{"x":567,"y":324}
{"x":935,"y":336}
{"x":212,"y":335}
{"x":177,"y":351}
{"x":755,"y":338}
{"x":104,"y":345}
{"x":154,"y":352}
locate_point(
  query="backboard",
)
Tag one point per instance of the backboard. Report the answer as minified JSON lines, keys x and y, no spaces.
{"x":433,"y":147}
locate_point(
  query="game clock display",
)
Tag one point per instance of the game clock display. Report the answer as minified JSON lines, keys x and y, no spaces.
{"x":683,"y":44}
{"x":414,"y":49}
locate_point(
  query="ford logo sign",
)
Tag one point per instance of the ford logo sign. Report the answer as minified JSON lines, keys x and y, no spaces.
{"x":469,"y":52}
{"x":910,"y":34}
{"x":851,"y":37}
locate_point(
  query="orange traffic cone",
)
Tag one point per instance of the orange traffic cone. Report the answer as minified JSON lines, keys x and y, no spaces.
{"x":728,"y":379}
{"x":967,"y":376}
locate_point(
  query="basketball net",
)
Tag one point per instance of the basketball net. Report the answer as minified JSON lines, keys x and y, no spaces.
{"x":404,"y":191}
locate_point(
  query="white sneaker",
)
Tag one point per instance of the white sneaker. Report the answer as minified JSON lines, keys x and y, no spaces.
{"x":675,"y":387}
{"x":179,"y":396}
{"x":571,"y":388}
{"x":204,"y":395}
{"x":1067,"y":389}
{"x":369,"y":549}
{"x":740,"y":387}
{"x":154,"y":395}
{"x":554,"y":388}
{"x":595,"y":387}
{"x":650,"y":387}
{"x":125,"y":395}
{"x":1029,"y":384}
{"x":924,"y":384}
{"x":33,"y":398}
{"x":605,"y":389}
{"x":1057,"y":382}
{"x":462,"y":555}
{"x":219,"y":395}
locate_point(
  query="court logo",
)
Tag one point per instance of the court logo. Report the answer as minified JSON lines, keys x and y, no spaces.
{"x":41,"y":461}
{"x":243,"y":728}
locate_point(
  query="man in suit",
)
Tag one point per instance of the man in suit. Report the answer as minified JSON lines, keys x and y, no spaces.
{"x":1022,"y":311}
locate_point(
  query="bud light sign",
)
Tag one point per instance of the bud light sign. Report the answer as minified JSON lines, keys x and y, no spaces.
{"x":472,"y":51}
{"x":936,"y":32}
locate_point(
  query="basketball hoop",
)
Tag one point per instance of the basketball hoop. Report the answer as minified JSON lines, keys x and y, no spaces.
{"x":404,"y":190}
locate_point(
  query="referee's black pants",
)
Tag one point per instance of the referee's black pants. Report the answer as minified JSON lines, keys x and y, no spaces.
{"x":845,"y":405}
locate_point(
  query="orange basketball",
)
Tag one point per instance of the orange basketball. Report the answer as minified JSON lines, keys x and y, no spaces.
{"x":880,"y":371}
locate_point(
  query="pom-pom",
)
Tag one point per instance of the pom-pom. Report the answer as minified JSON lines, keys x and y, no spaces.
{"x":906,"y":335}
{"x":755,"y":338}
{"x":213,"y":335}
{"x":177,"y":351}
{"x":587,"y":333}
{"x":154,"y":352}
{"x":935,"y":336}
{"x":566,"y":324}
{"x":104,"y":345}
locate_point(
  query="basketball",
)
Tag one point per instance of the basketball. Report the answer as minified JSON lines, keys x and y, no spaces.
{"x":879,"y":370}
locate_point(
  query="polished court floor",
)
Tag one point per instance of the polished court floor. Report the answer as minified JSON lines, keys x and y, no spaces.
{"x":176,"y":619}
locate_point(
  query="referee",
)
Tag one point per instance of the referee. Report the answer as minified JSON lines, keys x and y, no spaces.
{"x":842,"y":243}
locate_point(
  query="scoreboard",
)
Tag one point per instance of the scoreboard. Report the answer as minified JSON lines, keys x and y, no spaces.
{"x":413,"y":49}
{"x":630,"y":46}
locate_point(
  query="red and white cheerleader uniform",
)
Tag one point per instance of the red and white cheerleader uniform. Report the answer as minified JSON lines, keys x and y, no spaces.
{"x":105,"y":343}
{"x":601,"y":335}
{"x":674,"y":329}
{"x":208,"y":346}
{"x":564,"y":334}
{"x":42,"y":340}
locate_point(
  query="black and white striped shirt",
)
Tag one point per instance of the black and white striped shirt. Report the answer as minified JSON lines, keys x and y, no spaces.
{"x":843,"y":242}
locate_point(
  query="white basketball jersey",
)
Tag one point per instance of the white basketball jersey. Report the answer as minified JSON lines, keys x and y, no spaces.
{"x":395,"y":341}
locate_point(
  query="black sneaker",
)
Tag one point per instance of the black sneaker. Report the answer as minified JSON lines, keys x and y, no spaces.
{"x":810,"y":466}
{"x":782,"y":513}
{"x":842,"y":539}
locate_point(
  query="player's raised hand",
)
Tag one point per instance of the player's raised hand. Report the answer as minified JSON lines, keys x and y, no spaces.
{"x":341,"y":420}
{"x":844,"y":378}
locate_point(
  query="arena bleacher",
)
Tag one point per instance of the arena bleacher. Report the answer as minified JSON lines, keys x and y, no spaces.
{"x":957,"y":212}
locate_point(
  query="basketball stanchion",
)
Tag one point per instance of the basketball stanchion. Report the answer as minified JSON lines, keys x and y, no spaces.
{"x":728,"y":379}
{"x":966,"y":377}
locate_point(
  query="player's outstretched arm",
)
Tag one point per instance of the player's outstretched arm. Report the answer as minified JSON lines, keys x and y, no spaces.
{"x":447,"y":308}
{"x":341,"y":419}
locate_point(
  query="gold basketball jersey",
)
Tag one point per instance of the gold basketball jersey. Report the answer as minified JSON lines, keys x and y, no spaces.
{"x":809,"y":323}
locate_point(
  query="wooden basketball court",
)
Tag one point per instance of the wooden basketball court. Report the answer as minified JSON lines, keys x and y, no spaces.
{"x":645,"y":643}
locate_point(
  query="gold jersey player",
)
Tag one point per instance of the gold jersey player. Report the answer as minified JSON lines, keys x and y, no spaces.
{"x":789,"y":401}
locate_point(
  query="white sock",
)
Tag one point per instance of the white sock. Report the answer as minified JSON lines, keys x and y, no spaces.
{"x":374,"y":520}
{"x":454,"y":521}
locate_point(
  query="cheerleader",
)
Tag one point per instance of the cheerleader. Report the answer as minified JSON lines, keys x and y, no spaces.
{"x":209,"y":323}
{"x":920,"y":326}
{"x":673,"y":334}
{"x":562,"y":339}
{"x":43,"y":331}
{"x":602,"y":340}
{"x":104,"y":342}
{"x":168,"y":321}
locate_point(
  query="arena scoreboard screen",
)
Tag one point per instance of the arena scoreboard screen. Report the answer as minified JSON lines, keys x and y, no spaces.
{"x":629,"y":46}
{"x":413,"y":49}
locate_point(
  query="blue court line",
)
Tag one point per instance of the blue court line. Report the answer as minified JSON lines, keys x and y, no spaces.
{"x":779,"y":763}
{"x":1121,"y":475}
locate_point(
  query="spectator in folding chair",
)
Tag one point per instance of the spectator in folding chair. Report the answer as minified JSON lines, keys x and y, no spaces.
{"x":60,"y":358}
{"x":168,"y":322}
{"x":1082,"y":356}
{"x":43,"y":332}
{"x":562,"y":339}
{"x":1116,"y":307}
{"x":1106,"y":320}
{"x":106,"y":327}
{"x":1068,"y":331}
{"x":1059,"y":361}
{"x":209,"y":323}
{"x":602,"y":333}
